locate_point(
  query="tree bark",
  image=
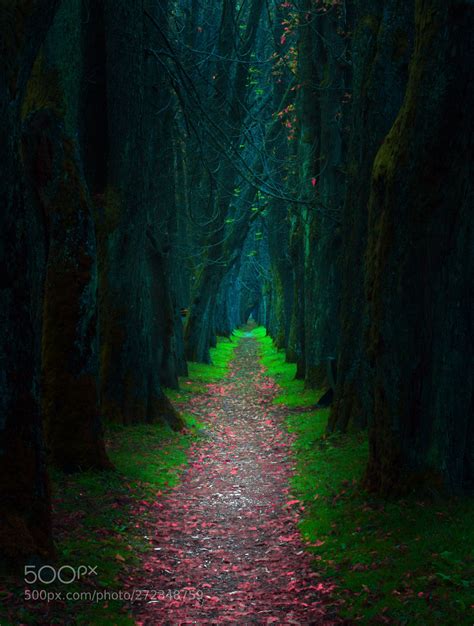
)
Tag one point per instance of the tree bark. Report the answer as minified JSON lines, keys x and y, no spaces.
{"x":70,"y":363}
{"x":53,"y":109}
{"x":296,"y":341}
{"x":25,"y":520}
{"x":132,"y":333}
{"x":198,"y":328}
{"x":420,"y":266}
{"x":323,"y":75}
{"x":381,"y":48}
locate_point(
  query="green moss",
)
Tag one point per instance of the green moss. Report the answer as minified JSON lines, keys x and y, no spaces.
{"x":100,"y":517}
{"x":221,"y":357}
{"x":405,"y":561}
{"x":293,"y":391}
{"x":201,"y":374}
{"x":151,"y":453}
{"x":43,"y":90}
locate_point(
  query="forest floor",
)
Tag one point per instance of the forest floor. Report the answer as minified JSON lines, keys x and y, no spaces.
{"x":225,"y":542}
{"x":250,"y":515}
{"x":406,"y":561}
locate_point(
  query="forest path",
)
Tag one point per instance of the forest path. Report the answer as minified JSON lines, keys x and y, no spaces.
{"x":225,"y":545}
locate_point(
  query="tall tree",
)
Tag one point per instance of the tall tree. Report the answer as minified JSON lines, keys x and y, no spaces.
{"x":420,"y":266}
{"x":25,"y":523}
{"x":323,"y":58}
{"x":70,"y":352}
{"x":134,"y":320}
{"x":69,"y":342}
{"x":382,"y":45}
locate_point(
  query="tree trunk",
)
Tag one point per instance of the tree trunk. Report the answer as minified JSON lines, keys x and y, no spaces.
{"x":383,"y":39}
{"x":25,"y":519}
{"x":198,"y":328}
{"x":132,"y":333}
{"x":420,"y":266}
{"x":296,"y":341}
{"x":70,"y":364}
{"x":53,"y":107}
{"x":323,"y":182}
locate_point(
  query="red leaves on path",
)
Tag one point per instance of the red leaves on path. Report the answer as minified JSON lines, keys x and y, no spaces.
{"x":224,"y":543}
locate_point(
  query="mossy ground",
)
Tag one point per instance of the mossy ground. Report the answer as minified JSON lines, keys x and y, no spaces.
{"x":395,"y":561}
{"x":200,"y":374}
{"x":99,"y":515}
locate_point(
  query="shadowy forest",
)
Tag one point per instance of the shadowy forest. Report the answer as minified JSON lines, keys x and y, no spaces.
{"x":172,"y":169}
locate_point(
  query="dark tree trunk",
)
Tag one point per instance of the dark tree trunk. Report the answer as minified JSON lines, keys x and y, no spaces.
{"x":25,"y":520}
{"x":132,"y":333}
{"x":381,"y":49}
{"x":420,"y":266}
{"x":70,"y":366}
{"x":324,"y":59}
{"x":296,"y":341}
{"x":70,"y":362}
{"x":198,"y":328}
{"x":227,"y":305}
{"x":282,"y":275}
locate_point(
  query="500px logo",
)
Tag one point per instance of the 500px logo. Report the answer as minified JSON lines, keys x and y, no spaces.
{"x":65,"y":574}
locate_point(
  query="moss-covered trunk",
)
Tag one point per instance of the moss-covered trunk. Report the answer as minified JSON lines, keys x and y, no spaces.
{"x":381,"y":49}
{"x":55,"y":108}
{"x":282,"y":288}
{"x":70,"y":360}
{"x":420,"y":266}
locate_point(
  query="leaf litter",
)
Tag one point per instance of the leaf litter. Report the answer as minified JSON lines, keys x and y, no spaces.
{"x":224,"y":543}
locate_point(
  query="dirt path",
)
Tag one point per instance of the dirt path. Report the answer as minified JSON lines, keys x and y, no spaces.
{"x":225,"y":547}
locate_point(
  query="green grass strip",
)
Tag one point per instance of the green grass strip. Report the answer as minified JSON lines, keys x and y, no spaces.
{"x":405,"y":561}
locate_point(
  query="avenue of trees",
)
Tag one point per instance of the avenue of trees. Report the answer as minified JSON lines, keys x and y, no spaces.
{"x":171,"y":167}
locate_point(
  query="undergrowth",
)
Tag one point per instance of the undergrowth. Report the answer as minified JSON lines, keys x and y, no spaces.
{"x":99,"y":516}
{"x":201,"y":374}
{"x":404,"y":561}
